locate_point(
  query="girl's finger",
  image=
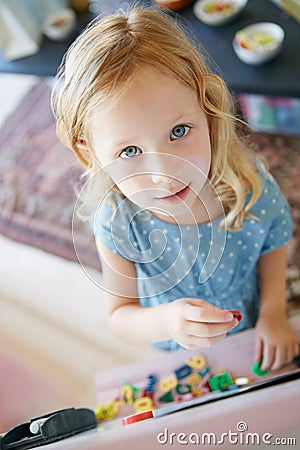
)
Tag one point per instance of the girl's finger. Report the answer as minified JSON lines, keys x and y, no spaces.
{"x":280,"y":357}
{"x":268,"y":357}
{"x":206,"y":314}
{"x":258,"y":349}
{"x":205,"y":330}
{"x":203,"y":303}
{"x":197,"y":342}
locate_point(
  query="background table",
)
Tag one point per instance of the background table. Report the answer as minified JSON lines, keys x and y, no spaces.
{"x":279,"y":77}
{"x":47,"y":60}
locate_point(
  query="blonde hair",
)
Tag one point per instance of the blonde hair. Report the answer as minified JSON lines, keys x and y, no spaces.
{"x":104,"y":59}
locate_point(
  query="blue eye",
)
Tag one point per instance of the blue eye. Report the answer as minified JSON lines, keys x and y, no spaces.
{"x":179,"y":131}
{"x":130,"y":152}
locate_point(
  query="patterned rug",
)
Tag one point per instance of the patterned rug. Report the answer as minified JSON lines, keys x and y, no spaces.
{"x":38,"y":177}
{"x":282,"y":156}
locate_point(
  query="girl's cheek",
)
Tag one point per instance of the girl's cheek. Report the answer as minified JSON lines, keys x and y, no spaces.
{"x":201,"y":161}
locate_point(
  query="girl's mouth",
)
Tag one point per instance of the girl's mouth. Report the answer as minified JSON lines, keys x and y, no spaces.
{"x":177,"y":196}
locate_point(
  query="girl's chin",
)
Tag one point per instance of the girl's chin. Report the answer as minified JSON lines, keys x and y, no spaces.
{"x":181,"y":213}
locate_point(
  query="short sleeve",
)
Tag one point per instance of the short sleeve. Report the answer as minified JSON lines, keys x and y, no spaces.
{"x":113,"y":226}
{"x":280,"y":222}
{"x":110,"y":225}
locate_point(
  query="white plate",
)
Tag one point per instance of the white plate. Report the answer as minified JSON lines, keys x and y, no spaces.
{"x":218,"y":12}
{"x":58,"y":25}
{"x":258,"y":43}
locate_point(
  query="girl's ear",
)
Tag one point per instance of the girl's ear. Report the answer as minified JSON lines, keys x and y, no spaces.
{"x":83,"y":151}
{"x":82,"y":145}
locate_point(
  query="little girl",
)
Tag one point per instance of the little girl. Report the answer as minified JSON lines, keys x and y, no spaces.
{"x":189,"y":224}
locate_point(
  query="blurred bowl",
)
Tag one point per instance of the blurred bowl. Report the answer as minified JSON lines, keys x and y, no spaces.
{"x":173,"y":5}
{"x":258,"y":43}
{"x":59,"y":25}
{"x":218,"y":12}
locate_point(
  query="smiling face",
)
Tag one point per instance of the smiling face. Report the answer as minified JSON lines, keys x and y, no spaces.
{"x":153,"y":141}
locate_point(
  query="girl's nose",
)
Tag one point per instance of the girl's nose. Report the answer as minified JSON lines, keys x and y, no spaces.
{"x":165,"y":169}
{"x":159,"y":178}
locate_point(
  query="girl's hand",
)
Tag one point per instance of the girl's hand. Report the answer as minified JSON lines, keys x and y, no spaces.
{"x":195,"y":323}
{"x":275,"y":341}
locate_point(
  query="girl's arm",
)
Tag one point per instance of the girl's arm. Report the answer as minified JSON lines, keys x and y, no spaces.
{"x":190,"y":322}
{"x":275,"y":341}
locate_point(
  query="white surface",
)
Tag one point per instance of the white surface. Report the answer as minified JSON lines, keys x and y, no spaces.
{"x":13,"y":88}
{"x":265,"y":412}
{"x":58,"y":291}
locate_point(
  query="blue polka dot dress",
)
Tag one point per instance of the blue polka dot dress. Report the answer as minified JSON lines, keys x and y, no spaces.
{"x":199,"y":261}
